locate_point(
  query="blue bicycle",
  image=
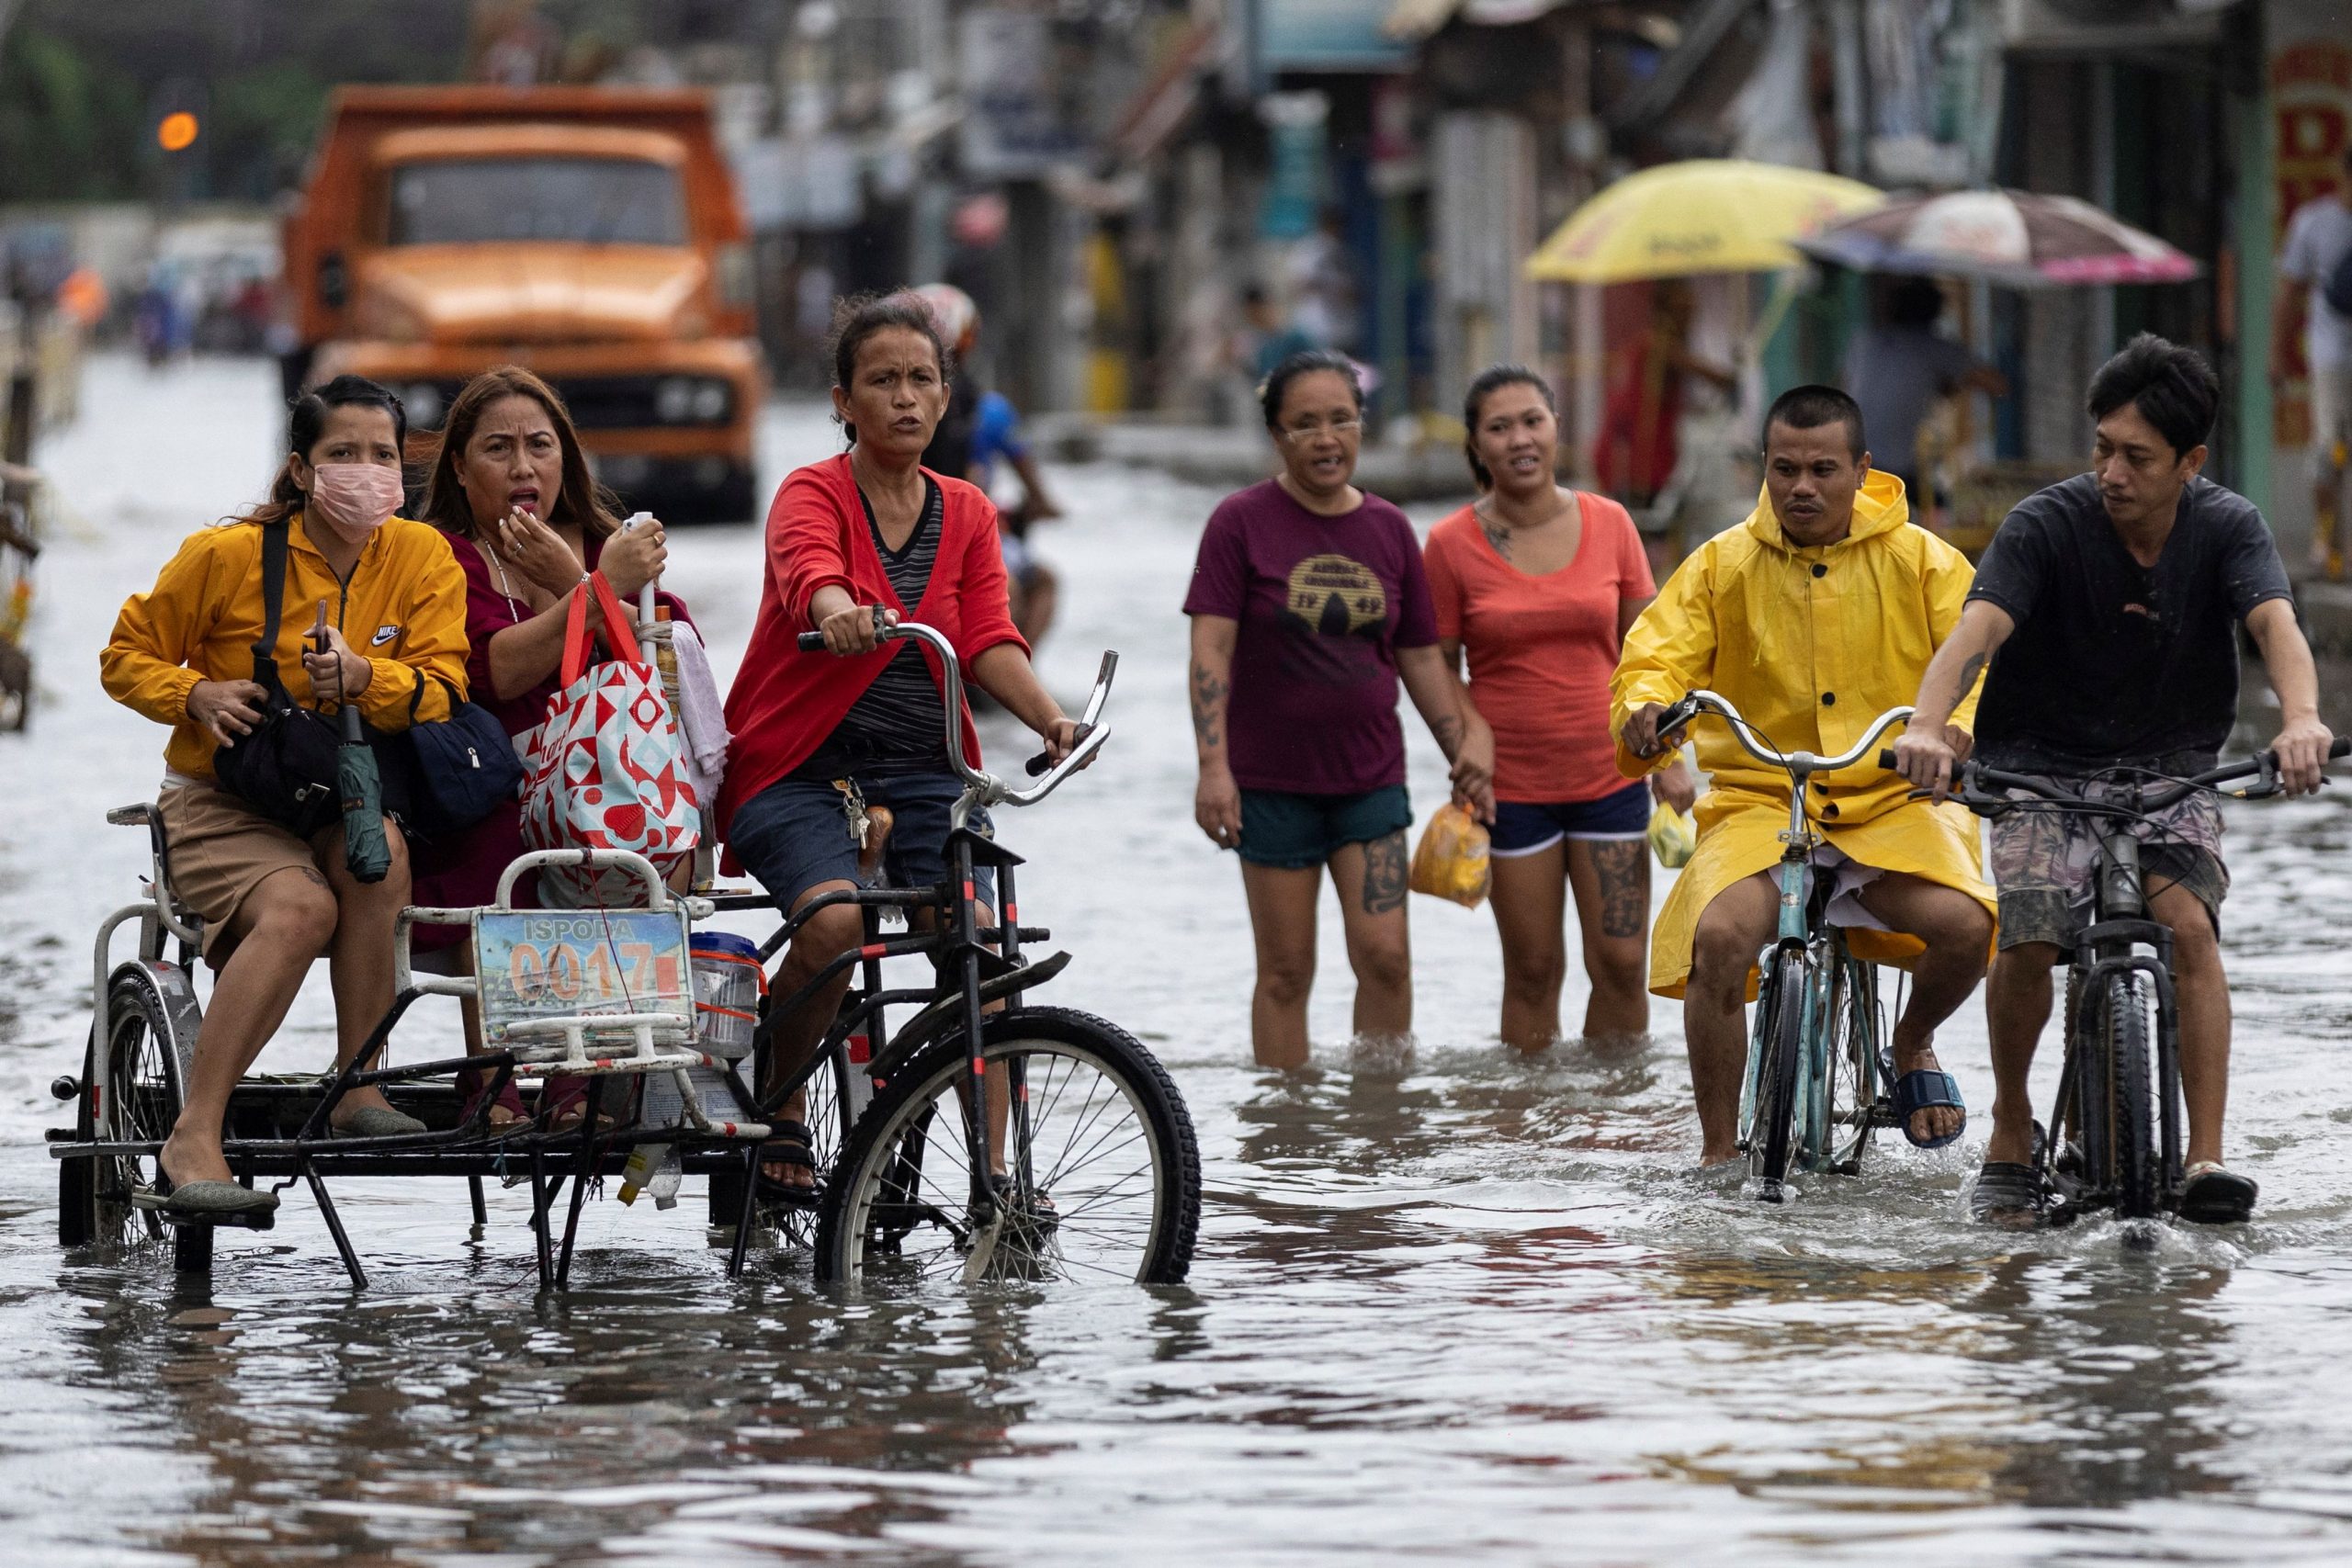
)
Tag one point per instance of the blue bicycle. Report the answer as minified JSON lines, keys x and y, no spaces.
{"x":1818,"y":1069}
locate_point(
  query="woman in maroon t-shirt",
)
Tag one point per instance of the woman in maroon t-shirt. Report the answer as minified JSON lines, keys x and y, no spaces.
{"x":1308,"y":607}
{"x":510,"y":487}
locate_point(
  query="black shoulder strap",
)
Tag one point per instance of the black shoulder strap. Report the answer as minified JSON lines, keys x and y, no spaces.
{"x":273,"y":588}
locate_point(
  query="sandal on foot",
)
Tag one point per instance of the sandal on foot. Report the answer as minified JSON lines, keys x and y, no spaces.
{"x":475,"y":1085}
{"x":788,"y":1145}
{"x":376,"y":1122}
{"x":1928,"y":1089}
{"x":564,"y":1102}
{"x":2003,"y":1190}
{"x":2215,"y":1195}
{"x":203,"y":1201}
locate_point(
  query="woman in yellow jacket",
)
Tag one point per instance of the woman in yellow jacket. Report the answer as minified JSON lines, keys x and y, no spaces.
{"x":182,"y":654}
{"x":1811,"y":617}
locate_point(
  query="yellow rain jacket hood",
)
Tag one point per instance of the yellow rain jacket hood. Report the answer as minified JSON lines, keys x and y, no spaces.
{"x":1811,"y":644}
{"x":404,"y":610}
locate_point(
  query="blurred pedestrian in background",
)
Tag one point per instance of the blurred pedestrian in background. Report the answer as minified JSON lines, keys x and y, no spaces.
{"x":1536,"y":583}
{"x":2315,"y":267}
{"x":1639,"y":445}
{"x":1309,"y":606}
{"x":1898,"y":367}
{"x":1268,"y":338}
{"x":981,"y":429}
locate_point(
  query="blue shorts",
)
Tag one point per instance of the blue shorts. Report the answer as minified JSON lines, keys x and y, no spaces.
{"x":1523,"y":829}
{"x":1293,"y":832}
{"x":794,"y":835}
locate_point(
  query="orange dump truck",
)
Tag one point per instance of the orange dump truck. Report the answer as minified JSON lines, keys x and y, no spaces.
{"x":590,"y":233}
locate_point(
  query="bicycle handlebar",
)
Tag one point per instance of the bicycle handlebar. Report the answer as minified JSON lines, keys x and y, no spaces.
{"x":1757,"y":746}
{"x":1973,"y":783}
{"x":993,"y":791}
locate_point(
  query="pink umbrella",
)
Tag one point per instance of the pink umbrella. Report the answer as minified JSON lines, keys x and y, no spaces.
{"x":2003,"y":236}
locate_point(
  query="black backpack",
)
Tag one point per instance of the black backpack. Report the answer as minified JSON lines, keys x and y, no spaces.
{"x":2337,"y":287}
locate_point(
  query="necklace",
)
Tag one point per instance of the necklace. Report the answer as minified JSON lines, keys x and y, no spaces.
{"x":505,"y":587}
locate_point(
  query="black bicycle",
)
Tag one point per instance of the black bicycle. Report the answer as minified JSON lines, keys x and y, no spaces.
{"x":982,"y":1137}
{"x":2118,"y":1143}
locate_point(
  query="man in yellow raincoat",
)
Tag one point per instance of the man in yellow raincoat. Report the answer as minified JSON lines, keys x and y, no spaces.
{"x":1814,"y":616}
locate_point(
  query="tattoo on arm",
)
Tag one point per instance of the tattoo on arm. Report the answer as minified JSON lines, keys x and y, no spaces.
{"x":1968,"y":673}
{"x":1209,"y":693}
{"x":1622,"y":867}
{"x":1385,"y":874}
{"x":1448,"y":731}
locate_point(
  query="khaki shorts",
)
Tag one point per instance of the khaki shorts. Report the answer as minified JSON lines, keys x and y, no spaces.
{"x":2331,"y":412}
{"x":220,"y":851}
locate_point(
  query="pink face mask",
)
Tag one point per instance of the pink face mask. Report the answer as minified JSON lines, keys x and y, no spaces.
{"x":354,"y":499}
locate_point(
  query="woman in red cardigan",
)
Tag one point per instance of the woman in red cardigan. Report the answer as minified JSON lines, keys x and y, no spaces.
{"x":855,"y":541}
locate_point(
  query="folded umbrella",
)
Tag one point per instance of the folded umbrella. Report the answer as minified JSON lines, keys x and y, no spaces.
{"x":366,"y":854}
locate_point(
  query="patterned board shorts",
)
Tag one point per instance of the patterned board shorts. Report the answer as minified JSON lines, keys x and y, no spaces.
{"x":2043,"y":862}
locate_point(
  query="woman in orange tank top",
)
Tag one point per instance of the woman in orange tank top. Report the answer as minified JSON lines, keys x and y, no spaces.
{"x":1536,"y":583}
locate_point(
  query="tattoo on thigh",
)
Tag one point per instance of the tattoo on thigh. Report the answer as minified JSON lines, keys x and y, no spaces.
{"x":1625,"y":875}
{"x":1385,"y":874}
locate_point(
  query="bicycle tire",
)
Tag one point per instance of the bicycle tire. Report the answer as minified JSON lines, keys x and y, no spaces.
{"x":1780,"y":1040}
{"x":139,"y":1101}
{"x":1853,"y":1065}
{"x":2131,"y":1101}
{"x":898,"y":1183}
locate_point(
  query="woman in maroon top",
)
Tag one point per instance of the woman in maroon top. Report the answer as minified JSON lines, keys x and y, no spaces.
{"x":510,"y":486}
{"x":1309,"y":606}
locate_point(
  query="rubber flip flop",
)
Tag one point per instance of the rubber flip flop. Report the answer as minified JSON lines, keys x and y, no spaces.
{"x":1928,"y":1089}
{"x":2214,"y":1195}
{"x":378,"y":1121}
{"x":2005,"y":1189}
{"x":216,"y":1200}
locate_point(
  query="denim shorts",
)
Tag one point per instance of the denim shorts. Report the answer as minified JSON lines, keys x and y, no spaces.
{"x":794,"y":835}
{"x":1296,"y":831}
{"x":1523,"y":828}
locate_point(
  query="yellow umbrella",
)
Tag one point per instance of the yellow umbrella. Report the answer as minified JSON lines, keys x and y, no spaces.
{"x":1706,"y":215}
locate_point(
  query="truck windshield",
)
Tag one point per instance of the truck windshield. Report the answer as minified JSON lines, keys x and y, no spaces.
{"x":467,"y":201}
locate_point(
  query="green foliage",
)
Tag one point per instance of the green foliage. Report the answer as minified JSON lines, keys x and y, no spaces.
{"x":69,"y":121}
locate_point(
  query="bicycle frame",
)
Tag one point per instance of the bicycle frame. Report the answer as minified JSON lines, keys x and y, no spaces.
{"x":2116,"y":940}
{"x":1837,"y":978}
{"x":985,"y":961}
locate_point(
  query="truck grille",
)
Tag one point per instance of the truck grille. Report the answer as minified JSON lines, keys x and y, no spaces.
{"x":601,"y":402}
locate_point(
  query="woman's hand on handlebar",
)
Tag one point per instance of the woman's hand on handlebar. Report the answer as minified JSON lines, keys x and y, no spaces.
{"x":848,"y":626}
{"x":2302,"y":749}
{"x":1641,"y":738}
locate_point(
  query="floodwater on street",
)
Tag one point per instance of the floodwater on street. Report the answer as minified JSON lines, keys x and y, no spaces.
{"x":1447,"y":1306}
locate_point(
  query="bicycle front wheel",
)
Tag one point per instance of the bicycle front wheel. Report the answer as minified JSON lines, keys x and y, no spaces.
{"x":1094,"y":1165}
{"x":2131,"y":1099}
{"x":1779,"y":1047}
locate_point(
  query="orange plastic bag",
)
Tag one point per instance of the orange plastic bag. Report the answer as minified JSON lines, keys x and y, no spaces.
{"x":1450,"y":860}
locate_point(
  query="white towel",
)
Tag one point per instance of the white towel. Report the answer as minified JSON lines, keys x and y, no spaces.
{"x":700,"y":713}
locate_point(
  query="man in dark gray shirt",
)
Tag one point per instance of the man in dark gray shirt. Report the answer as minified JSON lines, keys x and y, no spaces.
{"x":2109,"y":607}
